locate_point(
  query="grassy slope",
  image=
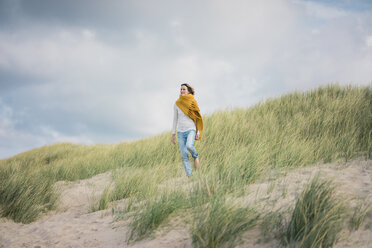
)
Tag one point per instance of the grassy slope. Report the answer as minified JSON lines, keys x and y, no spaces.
{"x":298,"y":129}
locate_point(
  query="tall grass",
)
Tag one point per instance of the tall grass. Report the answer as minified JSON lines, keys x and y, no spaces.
{"x":272,"y":226}
{"x":321,"y":125}
{"x":131,"y":182}
{"x":154,"y":212}
{"x":359,"y":214}
{"x":318,"y":216}
{"x":24,"y":196}
{"x":219,"y":224}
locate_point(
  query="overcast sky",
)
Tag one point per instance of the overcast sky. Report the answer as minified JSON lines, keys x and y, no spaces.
{"x":110,"y":71}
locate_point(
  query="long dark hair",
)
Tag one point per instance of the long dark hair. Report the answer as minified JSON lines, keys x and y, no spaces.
{"x":189,"y":89}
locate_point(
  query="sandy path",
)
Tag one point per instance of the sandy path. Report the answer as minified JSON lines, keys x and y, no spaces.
{"x":73,"y":226}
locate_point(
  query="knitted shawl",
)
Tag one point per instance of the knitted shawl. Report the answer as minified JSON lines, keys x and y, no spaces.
{"x":189,"y":106}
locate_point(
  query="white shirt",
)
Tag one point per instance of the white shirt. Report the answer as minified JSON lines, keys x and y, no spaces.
{"x":182,"y":122}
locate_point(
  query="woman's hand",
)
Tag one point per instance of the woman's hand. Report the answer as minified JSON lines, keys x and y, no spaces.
{"x":197,"y":136}
{"x":173,"y":139}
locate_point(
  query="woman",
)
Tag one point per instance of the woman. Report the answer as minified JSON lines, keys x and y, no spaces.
{"x":189,"y":124}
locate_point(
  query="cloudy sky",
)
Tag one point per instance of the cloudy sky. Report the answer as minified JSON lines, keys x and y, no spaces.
{"x":109,"y":71}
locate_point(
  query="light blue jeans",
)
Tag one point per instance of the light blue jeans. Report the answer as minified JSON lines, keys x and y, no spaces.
{"x":186,"y":144}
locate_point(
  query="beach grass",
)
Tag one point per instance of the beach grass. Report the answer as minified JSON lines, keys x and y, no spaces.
{"x":220,"y":223}
{"x":318,"y":216}
{"x":272,"y":226}
{"x":154,"y":212}
{"x":359,"y":215}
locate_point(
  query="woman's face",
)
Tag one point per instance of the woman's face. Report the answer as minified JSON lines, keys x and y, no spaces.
{"x":184,"y":90}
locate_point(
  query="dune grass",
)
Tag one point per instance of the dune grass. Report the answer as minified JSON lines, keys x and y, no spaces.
{"x":272,"y":226}
{"x":25,"y":194}
{"x":318,"y":216}
{"x":326,"y":124}
{"x":154,"y":212}
{"x":219,"y":224}
{"x":359,"y":214}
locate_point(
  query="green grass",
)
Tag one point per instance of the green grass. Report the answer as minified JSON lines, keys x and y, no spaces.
{"x":239,"y":146}
{"x":272,"y":226}
{"x":23,"y":196}
{"x":219,"y":224}
{"x":154,"y":212}
{"x":318,"y":216}
{"x":359,"y":215}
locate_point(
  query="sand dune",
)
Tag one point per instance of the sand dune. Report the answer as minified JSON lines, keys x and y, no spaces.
{"x":72,"y":225}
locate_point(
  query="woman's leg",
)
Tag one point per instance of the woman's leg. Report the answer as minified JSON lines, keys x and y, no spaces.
{"x":182,"y":140}
{"x":190,"y":147}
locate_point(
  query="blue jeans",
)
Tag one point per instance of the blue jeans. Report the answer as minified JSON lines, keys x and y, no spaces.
{"x":186,"y":144}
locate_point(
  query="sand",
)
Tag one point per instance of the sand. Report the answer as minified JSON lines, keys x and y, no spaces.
{"x":73,"y":225}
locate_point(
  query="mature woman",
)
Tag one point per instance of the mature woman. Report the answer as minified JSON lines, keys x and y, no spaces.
{"x":189,"y":124}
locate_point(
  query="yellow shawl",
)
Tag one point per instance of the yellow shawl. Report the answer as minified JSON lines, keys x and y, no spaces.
{"x":189,"y":106}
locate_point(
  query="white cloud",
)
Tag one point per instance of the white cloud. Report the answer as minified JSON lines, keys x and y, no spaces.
{"x":369,"y":41}
{"x":55,"y":53}
{"x":88,"y":34}
{"x":5,"y":123}
{"x":320,"y":10}
{"x":175,"y":23}
{"x":52,"y":136}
